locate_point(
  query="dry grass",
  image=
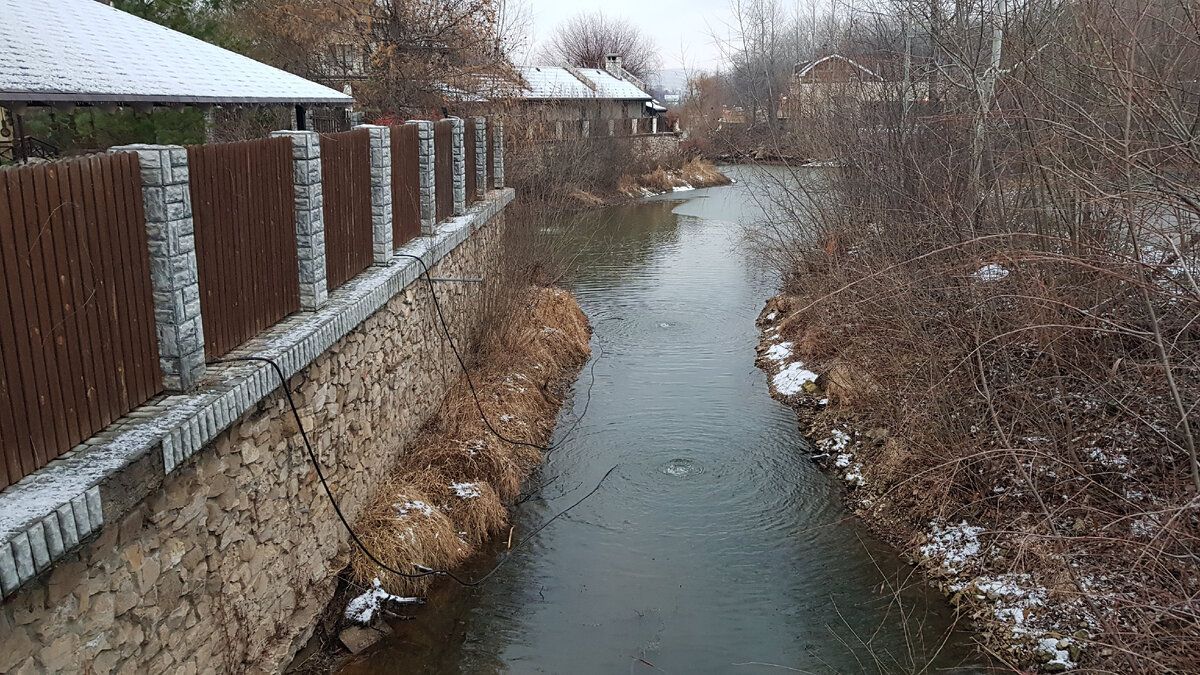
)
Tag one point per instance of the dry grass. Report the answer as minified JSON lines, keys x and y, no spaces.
{"x":517,"y":381}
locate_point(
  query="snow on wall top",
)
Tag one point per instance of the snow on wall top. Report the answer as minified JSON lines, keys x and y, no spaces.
{"x":547,"y":82}
{"x":85,"y":51}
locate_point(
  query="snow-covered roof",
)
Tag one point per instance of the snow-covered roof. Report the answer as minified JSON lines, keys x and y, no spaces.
{"x":804,"y":69}
{"x":551,"y":82}
{"x":84,"y":51}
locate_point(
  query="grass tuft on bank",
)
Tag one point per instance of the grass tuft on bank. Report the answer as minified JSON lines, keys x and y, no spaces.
{"x":450,"y":491}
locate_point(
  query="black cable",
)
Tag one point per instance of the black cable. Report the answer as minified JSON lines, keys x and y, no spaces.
{"x":422,"y":571}
{"x":462,"y":363}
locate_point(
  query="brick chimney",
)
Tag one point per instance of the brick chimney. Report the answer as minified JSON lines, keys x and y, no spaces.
{"x":612,"y":63}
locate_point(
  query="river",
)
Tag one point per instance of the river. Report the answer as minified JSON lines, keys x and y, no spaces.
{"x":715,"y":546}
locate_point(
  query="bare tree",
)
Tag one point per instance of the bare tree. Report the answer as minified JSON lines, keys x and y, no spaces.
{"x":586,"y":39}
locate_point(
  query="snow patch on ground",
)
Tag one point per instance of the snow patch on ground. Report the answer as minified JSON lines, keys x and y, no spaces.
{"x":466,"y":490}
{"x":791,"y":380}
{"x":413,"y":507}
{"x":953,"y":545}
{"x":362,"y":609}
{"x":772,"y":315}
{"x":990,"y":272}
{"x":780,"y":352}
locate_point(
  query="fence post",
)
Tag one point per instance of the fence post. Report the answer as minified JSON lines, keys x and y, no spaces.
{"x":558,"y":130}
{"x":310,"y":216}
{"x":587,"y":129}
{"x":633,"y":127}
{"x":174,"y":275}
{"x":426,"y":173}
{"x":481,"y":157}
{"x":498,"y":154}
{"x":612,"y":127}
{"x":460,"y":166}
{"x":654,"y":125}
{"x":381,"y":191}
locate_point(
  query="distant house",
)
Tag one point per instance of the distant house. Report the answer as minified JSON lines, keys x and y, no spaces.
{"x":570,"y":94}
{"x":849,"y":85}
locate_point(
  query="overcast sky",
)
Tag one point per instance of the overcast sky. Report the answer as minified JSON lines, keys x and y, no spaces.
{"x":682,"y":28}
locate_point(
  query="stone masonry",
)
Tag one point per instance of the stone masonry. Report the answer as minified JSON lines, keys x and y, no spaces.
{"x":381,"y":191}
{"x":498,"y":153}
{"x":225,"y":567}
{"x":481,"y":154}
{"x":428,"y":195}
{"x":460,"y":167}
{"x":310,"y":216}
{"x":176,"y":286}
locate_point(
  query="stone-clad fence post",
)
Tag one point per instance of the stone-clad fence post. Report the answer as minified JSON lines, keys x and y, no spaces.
{"x":481,"y":168}
{"x":498,"y":154}
{"x":425,"y":167}
{"x":381,"y":190}
{"x":310,"y":216}
{"x":460,"y":167}
{"x":173,"y":272}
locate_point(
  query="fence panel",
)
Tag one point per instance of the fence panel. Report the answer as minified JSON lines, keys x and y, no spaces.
{"x":346,"y":173}
{"x":406,"y":184}
{"x":469,"y":148}
{"x":243,"y":206}
{"x":78,"y":343}
{"x":443,"y":167}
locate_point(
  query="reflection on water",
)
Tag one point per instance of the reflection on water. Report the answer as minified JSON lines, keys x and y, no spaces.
{"x":715,"y":545}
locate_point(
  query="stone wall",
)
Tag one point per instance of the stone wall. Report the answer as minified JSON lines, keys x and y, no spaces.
{"x":225,"y":566}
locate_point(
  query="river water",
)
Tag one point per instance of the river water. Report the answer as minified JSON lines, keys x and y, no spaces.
{"x":715,"y":546}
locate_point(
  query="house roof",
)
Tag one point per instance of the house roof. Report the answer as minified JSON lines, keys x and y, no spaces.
{"x":556,"y":82}
{"x":83,"y":51}
{"x":805,"y":68}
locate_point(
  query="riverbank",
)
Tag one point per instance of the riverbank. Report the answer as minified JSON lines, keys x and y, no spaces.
{"x":1044,"y":601}
{"x":450,"y":492}
{"x":693,"y":174}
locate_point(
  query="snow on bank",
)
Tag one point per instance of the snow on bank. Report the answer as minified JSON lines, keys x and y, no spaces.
{"x":362,"y":609}
{"x":413,"y":507}
{"x":791,"y":380}
{"x":466,"y":490}
{"x":953,"y":546}
{"x":990,"y":272}
{"x":780,"y":352}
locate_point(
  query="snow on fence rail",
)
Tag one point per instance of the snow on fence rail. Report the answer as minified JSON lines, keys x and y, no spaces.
{"x":124,"y":273}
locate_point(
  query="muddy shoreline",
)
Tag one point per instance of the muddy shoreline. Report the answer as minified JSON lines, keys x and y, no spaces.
{"x":1018,"y":629}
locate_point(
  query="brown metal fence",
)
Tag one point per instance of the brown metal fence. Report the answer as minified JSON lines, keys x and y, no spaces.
{"x":243,"y":206}
{"x":78,"y":347}
{"x":469,"y":152}
{"x":443,"y":167}
{"x":346,"y":174}
{"x":406,"y":184}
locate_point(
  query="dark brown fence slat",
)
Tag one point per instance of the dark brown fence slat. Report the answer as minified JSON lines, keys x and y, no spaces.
{"x":443,"y":168}
{"x":244,"y":215}
{"x":95,"y":303}
{"x":346,"y":172}
{"x":41,"y":266}
{"x":77,"y":339}
{"x":16,"y":430}
{"x":469,"y":151}
{"x":406,"y":184}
